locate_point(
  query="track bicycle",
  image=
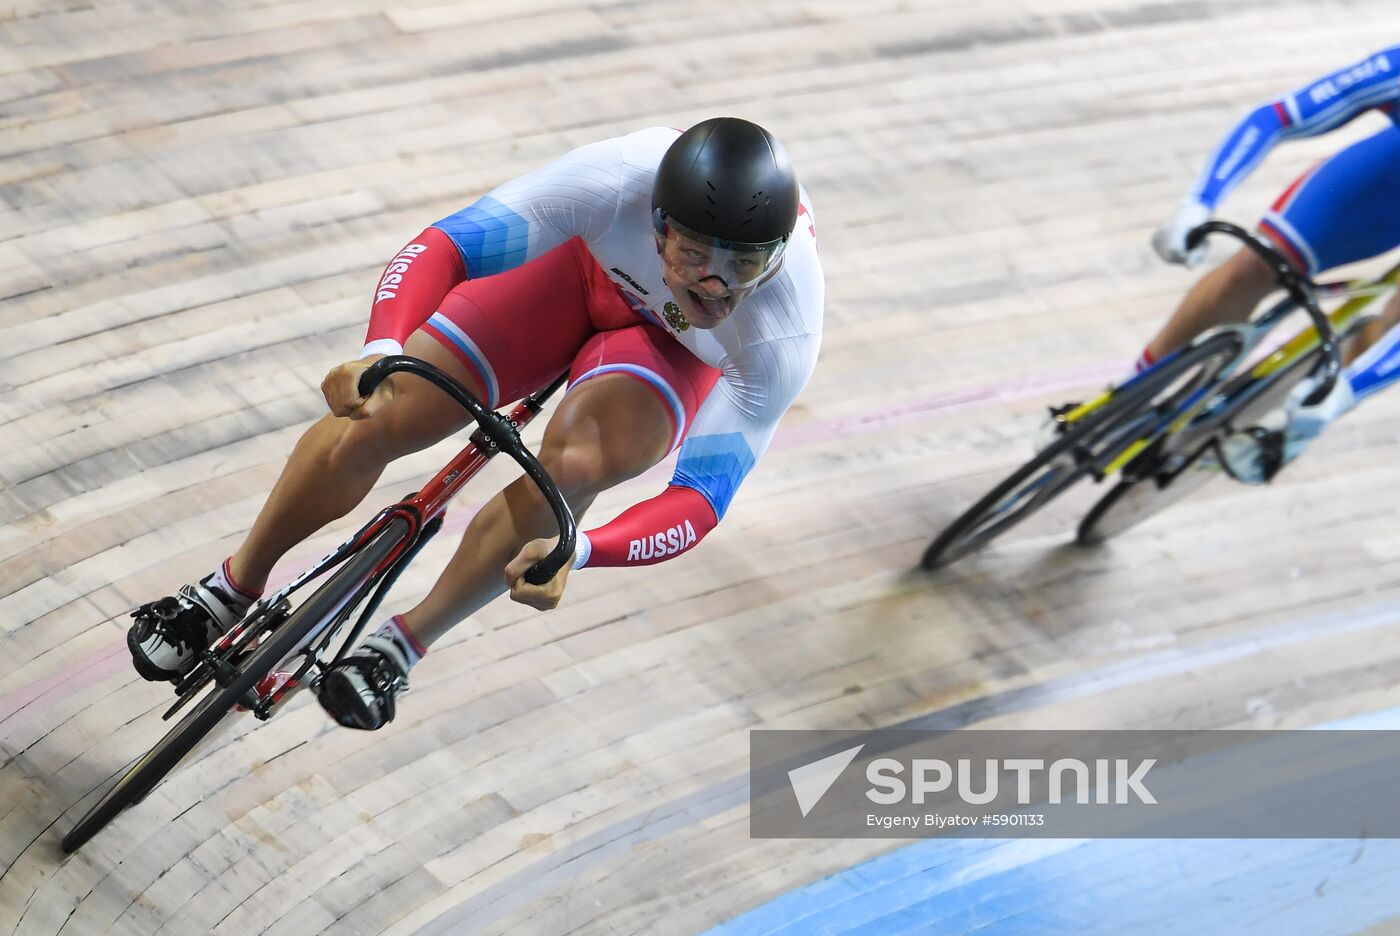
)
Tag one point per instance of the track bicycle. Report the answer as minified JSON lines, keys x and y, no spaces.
{"x":277,"y":649}
{"x":1158,"y":432}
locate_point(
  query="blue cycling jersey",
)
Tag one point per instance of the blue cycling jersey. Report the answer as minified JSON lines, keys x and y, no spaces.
{"x":1316,"y":108}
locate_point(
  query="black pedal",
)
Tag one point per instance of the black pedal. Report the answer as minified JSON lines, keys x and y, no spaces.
{"x":164,"y":609}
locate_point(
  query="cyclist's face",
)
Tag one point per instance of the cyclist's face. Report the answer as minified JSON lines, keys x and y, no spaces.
{"x":700,"y":276}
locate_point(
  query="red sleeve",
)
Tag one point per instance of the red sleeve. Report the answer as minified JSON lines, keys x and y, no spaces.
{"x":651,"y":532}
{"x":411,"y":289}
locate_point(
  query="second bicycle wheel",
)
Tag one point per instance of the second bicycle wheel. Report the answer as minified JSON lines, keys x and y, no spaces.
{"x":1096,"y":438}
{"x":1128,"y":503}
{"x":219,"y":702}
{"x":1187,"y":461}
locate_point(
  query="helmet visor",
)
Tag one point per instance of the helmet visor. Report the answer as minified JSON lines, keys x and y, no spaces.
{"x":697,"y":258}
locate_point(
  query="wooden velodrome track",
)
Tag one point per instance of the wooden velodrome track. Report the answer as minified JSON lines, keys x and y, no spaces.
{"x":195,"y":202}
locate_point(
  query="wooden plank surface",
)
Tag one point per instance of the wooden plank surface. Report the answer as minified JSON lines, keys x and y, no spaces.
{"x":195,"y":202}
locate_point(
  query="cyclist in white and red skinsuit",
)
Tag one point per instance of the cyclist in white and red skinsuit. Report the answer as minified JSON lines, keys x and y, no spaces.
{"x":674,"y":276}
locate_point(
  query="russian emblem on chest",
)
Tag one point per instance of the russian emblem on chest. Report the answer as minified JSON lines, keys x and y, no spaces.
{"x":675,"y":317}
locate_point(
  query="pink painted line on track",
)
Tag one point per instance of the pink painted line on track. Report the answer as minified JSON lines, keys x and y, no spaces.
{"x":111,"y":659}
{"x":62,"y":683}
{"x":951,"y":402}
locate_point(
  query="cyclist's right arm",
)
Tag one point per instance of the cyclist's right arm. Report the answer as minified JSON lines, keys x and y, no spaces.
{"x":1314,"y":109}
{"x":577,"y":195}
{"x":1318,"y":107}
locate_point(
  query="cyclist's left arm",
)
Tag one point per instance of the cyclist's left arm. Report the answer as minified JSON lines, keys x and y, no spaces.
{"x":730,"y":433}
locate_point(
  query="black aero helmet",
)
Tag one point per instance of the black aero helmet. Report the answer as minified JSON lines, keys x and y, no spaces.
{"x":728,"y":181}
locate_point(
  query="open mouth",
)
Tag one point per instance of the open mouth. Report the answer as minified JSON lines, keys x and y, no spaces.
{"x":713,"y":307}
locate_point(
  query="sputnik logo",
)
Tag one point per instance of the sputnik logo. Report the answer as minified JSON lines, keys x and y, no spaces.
{"x":811,"y":781}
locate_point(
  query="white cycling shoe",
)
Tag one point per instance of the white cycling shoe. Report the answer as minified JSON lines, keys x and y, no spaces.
{"x":361,"y":691}
{"x":1256,"y":454}
{"x":168,"y":636}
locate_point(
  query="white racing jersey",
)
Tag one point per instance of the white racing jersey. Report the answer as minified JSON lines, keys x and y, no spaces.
{"x":765,"y":350}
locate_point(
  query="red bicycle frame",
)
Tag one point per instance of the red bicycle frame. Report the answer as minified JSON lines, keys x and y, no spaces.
{"x":493,"y":435}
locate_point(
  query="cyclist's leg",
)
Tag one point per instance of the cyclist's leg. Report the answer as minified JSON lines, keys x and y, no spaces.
{"x":514,"y":332}
{"x":333,"y":465}
{"x":338,"y":460}
{"x":605,"y":431}
{"x":1349,"y":210}
{"x":479,"y":333}
{"x":1226,"y":294}
{"x":633,"y":392}
{"x":1373,"y":359}
{"x":1372,"y":364}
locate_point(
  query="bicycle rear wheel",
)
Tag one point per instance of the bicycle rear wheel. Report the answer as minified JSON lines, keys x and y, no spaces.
{"x":1093,"y":441}
{"x":1183,"y":466}
{"x":1128,"y":503}
{"x":219,"y":702}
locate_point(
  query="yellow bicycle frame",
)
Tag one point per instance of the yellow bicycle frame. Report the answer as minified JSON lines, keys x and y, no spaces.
{"x":1360,"y":295}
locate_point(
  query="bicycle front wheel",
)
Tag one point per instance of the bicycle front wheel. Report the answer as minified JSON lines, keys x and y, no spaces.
{"x":220,"y":701}
{"x":1092,"y":441}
